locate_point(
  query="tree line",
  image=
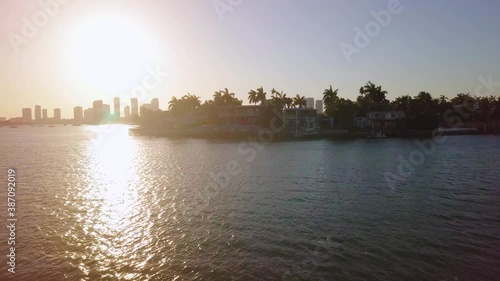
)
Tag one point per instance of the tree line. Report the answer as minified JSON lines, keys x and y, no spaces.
{"x":422,"y":110}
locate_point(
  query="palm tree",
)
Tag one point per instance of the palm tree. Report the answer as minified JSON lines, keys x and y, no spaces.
{"x":280,"y":100}
{"x":287,"y":101}
{"x":191,"y":102}
{"x":277,"y":99}
{"x":274,"y":93}
{"x":373,"y":93}
{"x":255,"y":96}
{"x":261,"y":95}
{"x":330,"y":97}
{"x":218,"y":98}
{"x":173,"y":104}
{"x":299,"y":101}
{"x":402,"y":103}
{"x":187,"y":103}
{"x":443,"y":99}
{"x":423,"y":101}
{"x":252,"y":97}
{"x":226,"y":98}
{"x":461,"y":99}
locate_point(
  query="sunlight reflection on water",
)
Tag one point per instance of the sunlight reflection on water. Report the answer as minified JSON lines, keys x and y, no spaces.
{"x":112,"y":216}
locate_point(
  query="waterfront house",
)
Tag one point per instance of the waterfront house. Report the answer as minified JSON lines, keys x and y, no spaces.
{"x":238,"y":120}
{"x":384,"y":119}
{"x":361,"y":122}
{"x":239,"y":115}
{"x":301,"y":121}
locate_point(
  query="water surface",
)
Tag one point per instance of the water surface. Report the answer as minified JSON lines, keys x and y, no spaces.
{"x":139,"y":208}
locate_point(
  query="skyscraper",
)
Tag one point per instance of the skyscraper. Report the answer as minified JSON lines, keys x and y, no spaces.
{"x":126,"y":112}
{"x":144,"y":107}
{"x":106,"y":110}
{"x":134,"y":104}
{"x":44,"y":114}
{"x":155,"y":104}
{"x":319,"y":106}
{"x":38,"y":112}
{"x":27,"y":114}
{"x":98,"y":111}
{"x":57,"y":114}
{"x":78,"y":114}
{"x":310,"y":102}
{"x":88,"y":116}
{"x":116,"y":103}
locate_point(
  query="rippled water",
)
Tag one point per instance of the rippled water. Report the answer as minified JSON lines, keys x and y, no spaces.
{"x":138,"y":208}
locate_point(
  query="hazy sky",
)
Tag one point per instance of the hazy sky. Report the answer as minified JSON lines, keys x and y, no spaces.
{"x":87,"y":50}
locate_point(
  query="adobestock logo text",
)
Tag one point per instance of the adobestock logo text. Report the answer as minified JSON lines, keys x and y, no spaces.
{"x":31,"y":26}
{"x":363,"y":38}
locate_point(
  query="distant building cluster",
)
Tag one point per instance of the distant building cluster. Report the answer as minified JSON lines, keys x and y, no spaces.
{"x":101,"y":113}
{"x":318,"y":105}
{"x":97,"y":114}
{"x":40,"y":116}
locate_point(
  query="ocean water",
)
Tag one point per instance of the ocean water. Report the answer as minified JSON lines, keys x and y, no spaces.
{"x":96,"y":204}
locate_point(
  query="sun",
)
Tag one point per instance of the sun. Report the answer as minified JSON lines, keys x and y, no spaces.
{"x":108,"y":52}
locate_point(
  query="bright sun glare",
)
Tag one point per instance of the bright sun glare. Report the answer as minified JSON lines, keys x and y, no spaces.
{"x":107,"y":51}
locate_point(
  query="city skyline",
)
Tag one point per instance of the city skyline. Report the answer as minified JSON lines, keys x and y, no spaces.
{"x":425,"y":46}
{"x":35,"y":113}
{"x":129,"y":109}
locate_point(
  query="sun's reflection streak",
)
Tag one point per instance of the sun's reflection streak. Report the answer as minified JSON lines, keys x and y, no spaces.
{"x":114,"y":228}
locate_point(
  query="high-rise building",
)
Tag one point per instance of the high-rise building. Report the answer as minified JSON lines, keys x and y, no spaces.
{"x":38,"y":112}
{"x":126,"y":112}
{"x":319,"y":106}
{"x":88,"y":115}
{"x":134,"y":106}
{"x":27,"y":114}
{"x":44,"y":114}
{"x":144,"y":107}
{"x":106,"y":110}
{"x":78,"y":114}
{"x":98,"y":111}
{"x":116,"y":112}
{"x":310,"y":102}
{"x":155,"y":104}
{"x":57,"y":114}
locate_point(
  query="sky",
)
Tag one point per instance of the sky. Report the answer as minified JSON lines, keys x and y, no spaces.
{"x":72,"y":52}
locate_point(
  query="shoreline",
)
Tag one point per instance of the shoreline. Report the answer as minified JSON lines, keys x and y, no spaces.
{"x":226,"y":135}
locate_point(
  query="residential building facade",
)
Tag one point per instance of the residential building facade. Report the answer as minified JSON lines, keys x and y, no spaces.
{"x":301,"y":121}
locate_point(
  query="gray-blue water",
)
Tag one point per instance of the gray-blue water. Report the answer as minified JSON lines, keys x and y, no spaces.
{"x":102,"y":205}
